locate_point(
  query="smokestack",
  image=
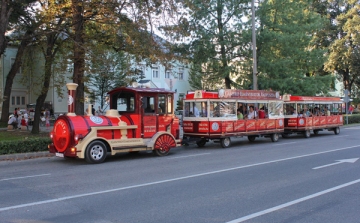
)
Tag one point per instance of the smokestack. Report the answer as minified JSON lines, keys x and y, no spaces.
{"x":71,"y":98}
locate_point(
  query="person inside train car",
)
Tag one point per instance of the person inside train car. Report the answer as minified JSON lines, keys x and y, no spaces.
{"x":252,"y":114}
{"x":292,"y":111}
{"x":316,"y":111}
{"x":262,"y":113}
{"x":196,"y":111}
{"x":239,"y":114}
{"x":326,"y":111}
{"x":306,"y":112}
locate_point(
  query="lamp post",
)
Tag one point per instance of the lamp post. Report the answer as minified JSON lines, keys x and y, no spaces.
{"x":255,"y":87}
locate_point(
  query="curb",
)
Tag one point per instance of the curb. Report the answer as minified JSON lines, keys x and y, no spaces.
{"x":25,"y":156}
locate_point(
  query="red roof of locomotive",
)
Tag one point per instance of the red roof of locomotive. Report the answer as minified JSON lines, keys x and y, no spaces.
{"x":138,"y":89}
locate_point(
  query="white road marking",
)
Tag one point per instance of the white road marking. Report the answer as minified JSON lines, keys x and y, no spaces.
{"x":276,"y":208}
{"x":178,"y":157}
{"x":166,"y":181}
{"x":279,"y":144}
{"x":24,"y":177}
{"x":338,"y":162}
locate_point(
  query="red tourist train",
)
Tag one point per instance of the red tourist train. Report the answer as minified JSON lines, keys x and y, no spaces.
{"x":218,"y":116}
{"x":139,"y":119}
{"x":304,"y":114}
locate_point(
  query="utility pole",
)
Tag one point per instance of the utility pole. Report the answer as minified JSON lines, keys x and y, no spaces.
{"x":255,"y":85}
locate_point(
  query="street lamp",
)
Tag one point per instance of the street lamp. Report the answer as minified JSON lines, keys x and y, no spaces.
{"x":255,"y":87}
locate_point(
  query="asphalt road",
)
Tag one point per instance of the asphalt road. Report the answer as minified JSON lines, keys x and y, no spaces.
{"x":313,"y":180}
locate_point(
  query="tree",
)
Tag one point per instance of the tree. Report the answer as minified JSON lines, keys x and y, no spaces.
{"x":287,"y":59}
{"x":11,"y":12}
{"x":109,"y":69}
{"x":216,"y":39}
{"x":344,"y":54}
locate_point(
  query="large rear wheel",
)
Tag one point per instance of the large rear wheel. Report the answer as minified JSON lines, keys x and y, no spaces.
{"x":96,"y":152}
{"x":163,"y":144}
{"x":337,"y":131}
{"x":225,"y":142}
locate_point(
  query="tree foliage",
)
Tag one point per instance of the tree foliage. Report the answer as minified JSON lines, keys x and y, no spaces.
{"x":287,"y":60}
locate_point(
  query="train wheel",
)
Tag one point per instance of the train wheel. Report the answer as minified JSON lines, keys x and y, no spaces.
{"x":274,"y":137}
{"x":163,"y":144}
{"x":251,"y":138}
{"x":201,"y":143}
{"x":316,"y":132}
{"x":337,"y":131}
{"x":225,"y":142}
{"x":307,"y":134}
{"x":96,"y":152}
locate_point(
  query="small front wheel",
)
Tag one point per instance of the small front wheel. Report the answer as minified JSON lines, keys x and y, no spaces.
{"x":96,"y":152}
{"x":251,"y":138}
{"x":307,"y":134}
{"x":274,"y":137}
{"x":201,"y":143}
{"x":337,"y":131}
{"x":316,"y":132}
{"x":225,"y":142}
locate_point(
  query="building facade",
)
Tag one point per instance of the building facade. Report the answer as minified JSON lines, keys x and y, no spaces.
{"x":25,"y":90}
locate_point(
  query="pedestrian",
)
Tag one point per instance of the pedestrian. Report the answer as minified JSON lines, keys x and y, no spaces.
{"x":92,"y":110}
{"x":47,"y":118}
{"x":351,"y":109}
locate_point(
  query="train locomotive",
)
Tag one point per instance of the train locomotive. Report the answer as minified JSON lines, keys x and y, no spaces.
{"x":139,"y":119}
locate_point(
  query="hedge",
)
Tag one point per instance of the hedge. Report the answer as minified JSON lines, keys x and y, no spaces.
{"x":24,"y":146}
{"x":352,"y":119}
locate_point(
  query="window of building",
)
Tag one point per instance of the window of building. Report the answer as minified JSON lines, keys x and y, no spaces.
{"x":12,"y":100}
{"x":167,"y":74}
{"x":181,"y":73}
{"x":155,"y":72}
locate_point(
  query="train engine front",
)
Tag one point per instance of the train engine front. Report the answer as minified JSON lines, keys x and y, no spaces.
{"x":94,"y":137}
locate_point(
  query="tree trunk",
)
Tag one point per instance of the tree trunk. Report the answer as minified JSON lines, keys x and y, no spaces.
{"x":5,"y":13}
{"x":12,"y":73}
{"x":79,"y":55}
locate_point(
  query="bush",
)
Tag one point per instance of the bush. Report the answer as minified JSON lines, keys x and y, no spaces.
{"x":24,"y":146}
{"x":354,"y":118}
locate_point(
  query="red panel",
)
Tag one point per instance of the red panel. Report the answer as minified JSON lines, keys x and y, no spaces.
{"x":316,"y":121}
{"x":322,"y":120}
{"x":227,"y":126}
{"x":270,"y":123}
{"x":239,"y":126}
{"x":204,"y":127}
{"x":107,"y":134}
{"x":250,"y":125}
{"x":188,"y":126}
{"x":149,"y":126}
{"x":329,"y":120}
{"x":309,"y":121}
{"x":292,"y":122}
{"x":261,"y":124}
{"x":280,"y":123}
{"x":164,"y":122}
{"x":215,"y":127}
{"x":301,"y":122}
